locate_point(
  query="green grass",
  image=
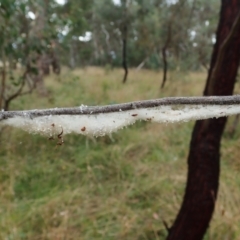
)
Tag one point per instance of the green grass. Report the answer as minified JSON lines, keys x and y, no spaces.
{"x":121,"y":187}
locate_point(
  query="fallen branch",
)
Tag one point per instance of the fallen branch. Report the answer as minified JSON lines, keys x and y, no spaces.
{"x":85,"y":110}
{"x":101,"y":120}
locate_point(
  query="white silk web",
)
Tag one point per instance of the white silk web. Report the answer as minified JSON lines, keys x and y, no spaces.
{"x":107,"y":123}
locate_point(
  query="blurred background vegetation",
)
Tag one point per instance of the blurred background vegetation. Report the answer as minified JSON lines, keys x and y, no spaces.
{"x":119,"y":187}
{"x":88,"y":32}
{"x":38,"y":35}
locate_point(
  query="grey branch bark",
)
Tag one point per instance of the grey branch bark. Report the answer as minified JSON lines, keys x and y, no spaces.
{"x":85,"y":110}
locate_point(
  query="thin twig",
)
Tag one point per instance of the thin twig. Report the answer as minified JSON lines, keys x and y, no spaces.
{"x":91,"y":110}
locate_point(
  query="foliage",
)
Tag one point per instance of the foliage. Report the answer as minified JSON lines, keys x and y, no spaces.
{"x":37,"y":34}
{"x":191,"y":24}
{"x":26,"y":47}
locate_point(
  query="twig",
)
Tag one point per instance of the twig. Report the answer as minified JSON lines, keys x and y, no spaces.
{"x":166,"y":226}
{"x":91,"y":110}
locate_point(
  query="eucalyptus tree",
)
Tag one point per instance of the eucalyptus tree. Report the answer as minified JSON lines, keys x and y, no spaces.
{"x":27,"y":40}
{"x":157,"y":33}
{"x":74,"y":22}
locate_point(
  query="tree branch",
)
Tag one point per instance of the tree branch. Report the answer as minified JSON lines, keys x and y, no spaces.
{"x":91,"y":110}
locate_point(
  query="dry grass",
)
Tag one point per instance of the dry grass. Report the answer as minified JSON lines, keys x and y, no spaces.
{"x":119,"y":188}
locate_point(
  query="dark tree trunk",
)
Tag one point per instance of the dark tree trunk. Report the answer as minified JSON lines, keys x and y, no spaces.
{"x":169,"y":38}
{"x":165,"y":66}
{"x":124,"y":53}
{"x":124,"y":39}
{"x":164,"y":55}
{"x":203,"y":160}
{"x":3,"y":86}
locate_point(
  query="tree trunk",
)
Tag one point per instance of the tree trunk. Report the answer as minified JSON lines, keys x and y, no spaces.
{"x":124,"y":42}
{"x":124,"y":61}
{"x":164,"y":54}
{"x":203,"y":160}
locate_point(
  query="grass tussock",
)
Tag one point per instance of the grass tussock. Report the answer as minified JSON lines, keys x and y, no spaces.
{"x":115,"y":187}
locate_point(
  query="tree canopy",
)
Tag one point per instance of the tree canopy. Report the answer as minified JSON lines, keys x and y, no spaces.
{"x":91,"y":32}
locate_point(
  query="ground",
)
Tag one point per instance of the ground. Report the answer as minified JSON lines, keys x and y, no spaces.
{"x":118,"y":187}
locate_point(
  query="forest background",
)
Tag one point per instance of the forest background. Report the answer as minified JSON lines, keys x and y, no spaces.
{"x":129,"y":185}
